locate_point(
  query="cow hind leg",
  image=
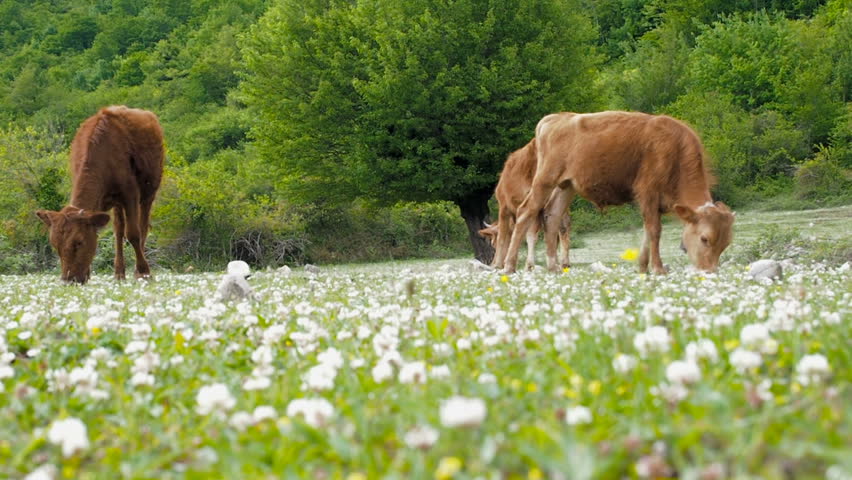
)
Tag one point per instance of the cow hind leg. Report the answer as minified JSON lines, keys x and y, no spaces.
{"x":528,"y":213}
{"x":532,"y":237}
{"x":554,"y":229}
{"x":118,"y":225}
{"x":134,"y":236}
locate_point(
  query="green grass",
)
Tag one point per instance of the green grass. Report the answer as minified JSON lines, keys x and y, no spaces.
{"x":546,"y":342}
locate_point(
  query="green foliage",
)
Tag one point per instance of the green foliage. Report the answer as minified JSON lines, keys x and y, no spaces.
{"x":414,"y":102}
{"x":33,"y":175}
{"x":824,"y":178}
{"x":362,"y":232}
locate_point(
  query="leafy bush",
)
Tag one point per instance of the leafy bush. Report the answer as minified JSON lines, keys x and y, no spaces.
{"x":824,"y":178}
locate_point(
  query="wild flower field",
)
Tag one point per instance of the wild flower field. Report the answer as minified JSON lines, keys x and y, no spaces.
{"x":430,"y":370}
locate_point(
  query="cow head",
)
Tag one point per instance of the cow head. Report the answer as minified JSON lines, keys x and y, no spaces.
{"x":707,"y":232}
{"x":74,"y":236}
{"x":489,"y":233}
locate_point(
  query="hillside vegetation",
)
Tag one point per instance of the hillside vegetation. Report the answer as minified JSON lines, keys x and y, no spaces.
{"x":331,"y":130}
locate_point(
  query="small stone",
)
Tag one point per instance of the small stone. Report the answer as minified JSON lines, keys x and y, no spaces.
{"x":765,"y":269}
{"x":476,"y":265}
{"x":284,"y":270}
{"x":310,"y":268}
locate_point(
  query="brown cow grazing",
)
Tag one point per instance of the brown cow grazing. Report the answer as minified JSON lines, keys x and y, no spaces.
{"x":611,"y":158}
{"x":116,"y":163}
{"x":513,"y":186}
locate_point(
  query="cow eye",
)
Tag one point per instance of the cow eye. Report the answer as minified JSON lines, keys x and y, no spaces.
{"x":705,"y":240}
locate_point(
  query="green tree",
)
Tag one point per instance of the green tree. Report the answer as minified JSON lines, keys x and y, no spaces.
{"x":413,"y":101}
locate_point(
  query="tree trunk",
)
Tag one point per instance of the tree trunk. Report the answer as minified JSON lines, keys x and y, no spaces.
{"x":474,"y":210}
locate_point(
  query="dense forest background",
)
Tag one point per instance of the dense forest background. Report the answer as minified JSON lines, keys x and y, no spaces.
{"x":347,"y":130}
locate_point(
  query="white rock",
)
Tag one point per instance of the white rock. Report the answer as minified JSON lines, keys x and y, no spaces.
{"x":284,"y":270}
{"x":477,"y":265}
{"x":765,"y":269}
{"x":311,"y":268}
{"x":239,"y":268}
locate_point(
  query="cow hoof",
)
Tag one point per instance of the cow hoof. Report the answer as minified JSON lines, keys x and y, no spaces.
{"x":119,"y":276}
{"x":530,"y":267}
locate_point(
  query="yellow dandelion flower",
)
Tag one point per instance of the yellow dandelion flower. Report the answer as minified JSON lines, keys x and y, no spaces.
{"x":96,"y":331}
{"x":566,"y":269}
{"x":177,"y":292}
{"x":631,"y":254}
{"x":448,"y":467}
{"x":595,"y":387}
{"x":504,"y":278}
{"x":490,"y":289}
{"x":534,"y":474}
{"x":515,"y":384}
{"x":532,"y":388}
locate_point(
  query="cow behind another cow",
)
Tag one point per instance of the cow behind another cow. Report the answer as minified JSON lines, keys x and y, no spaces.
{"x":116,"y":163}
{"x":611,"y":158}
{"x":513,"y":186}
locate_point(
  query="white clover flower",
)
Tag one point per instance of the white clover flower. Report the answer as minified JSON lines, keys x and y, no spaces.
{"x":812,"y":369}
{"x":264,"y":412}
{"x":241,"y":420}
{"x":623,"y":363}
{"x":263,"y":355}
{"x":440,"y":371}
{"x":214,"y":399}
{"x":754,"y":335}
{"x":70,"y":433}
{"x":463,"y":344}
{"x":6,"y":371}
{"x":176,"y":360}
{"x":414,"y":372}
{"x":320,"y":377}
{"x":703,"y":349}
{"x":653,"y":339}
{"x":382,"y":371}
{"x":256,"y":383}
{"x":331,"y":357}
{"x":744,"y":360}
{"x":578,"y":415}
{"x":486,"y":377}
{"x":47,"y":471}
{"x":142,"y":379}
{"x":422,"y":437}
{"x":357,"y":362}
{"x":316,"y":411}
{"x":683,"y":372}
{"x":442,"y":349}
{"x":672,"y":393}
{"x":462,"y":412}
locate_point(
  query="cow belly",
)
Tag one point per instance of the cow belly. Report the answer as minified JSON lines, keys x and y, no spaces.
{"x":606,"y":194}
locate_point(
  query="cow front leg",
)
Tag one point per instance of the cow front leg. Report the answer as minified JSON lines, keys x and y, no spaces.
{"x":653,"y":229}
{"x":504,"y":235}
{"x":118,"y":225}
{"x":644,"y":254}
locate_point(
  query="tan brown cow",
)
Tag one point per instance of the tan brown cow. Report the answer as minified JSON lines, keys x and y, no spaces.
{"x":611,"y":158}
{"x":116,"y":163}
{"x":513,"y":186}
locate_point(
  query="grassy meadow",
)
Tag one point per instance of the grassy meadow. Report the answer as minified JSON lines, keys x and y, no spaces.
{"x":444,"y":370}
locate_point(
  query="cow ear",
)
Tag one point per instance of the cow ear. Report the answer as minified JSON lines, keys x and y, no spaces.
{"x":45,"y":216}
{"x":686,"y":214}
{"x":98,"y":220}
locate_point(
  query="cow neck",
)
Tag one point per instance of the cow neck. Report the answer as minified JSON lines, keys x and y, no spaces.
{"x":87,"y":200}
{"x":693,"y":191}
